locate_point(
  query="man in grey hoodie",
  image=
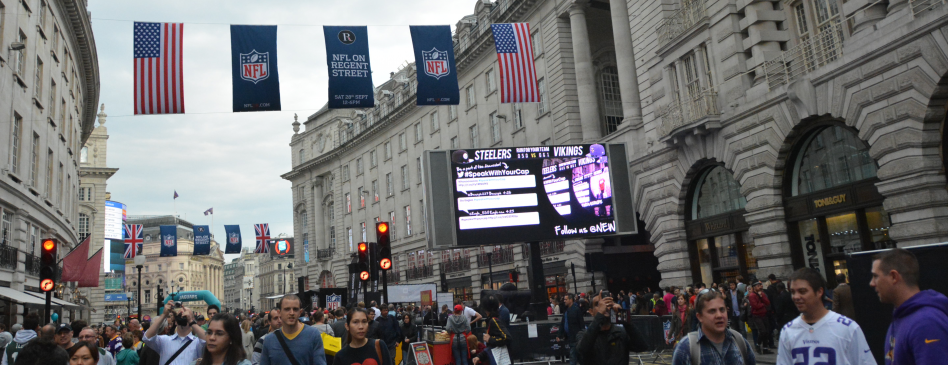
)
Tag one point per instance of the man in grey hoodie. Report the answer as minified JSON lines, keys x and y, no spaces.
{"x":459,"y":327}
{"x":30,"y":326}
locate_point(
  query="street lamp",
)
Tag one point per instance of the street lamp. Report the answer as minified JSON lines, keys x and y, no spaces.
{"x":139,"y":263}
{"x":288,"y":266}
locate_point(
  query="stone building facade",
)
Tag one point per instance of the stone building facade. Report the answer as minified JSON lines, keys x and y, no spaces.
{"x":352,"y":168}
{"x":232,"y":286}
{"x":275,"y":277}
{"x":51,"y":70}
{"x":184,"y":272}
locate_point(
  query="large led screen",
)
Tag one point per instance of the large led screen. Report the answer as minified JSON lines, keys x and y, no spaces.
{"x":114,"y":219}
{"x":523,"y":194}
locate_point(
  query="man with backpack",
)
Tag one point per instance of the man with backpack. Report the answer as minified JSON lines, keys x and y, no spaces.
{"x":713,"y":343}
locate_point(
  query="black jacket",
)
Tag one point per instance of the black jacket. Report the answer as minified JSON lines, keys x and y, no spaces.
{"x":497,"y":332}
{"x":443,"y":318}
{"x":599,"y":347}
{"x":430,"y":319}
{"x":388,"y":330}
{"x":572,"y":323}
{"x":785,"y":310}
{"x":409,"y":331}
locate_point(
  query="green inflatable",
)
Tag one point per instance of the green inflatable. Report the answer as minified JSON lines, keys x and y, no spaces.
{"x":192,"y":296}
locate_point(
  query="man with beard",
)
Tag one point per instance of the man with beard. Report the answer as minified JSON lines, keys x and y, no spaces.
{"x":183,"y":346}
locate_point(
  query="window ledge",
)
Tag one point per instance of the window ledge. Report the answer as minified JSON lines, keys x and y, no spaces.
{"x":518,"y":130}
{"x":406,"y":189}
{"x":19,"y":79}
{"x":542,"y":115}
{"x":419,"y":141}
{"x":435,"y":131}
{"x":492,"y":92}
{"x":470,"y":107}
{"x":498,"y":143}
{"x":37,"y":103}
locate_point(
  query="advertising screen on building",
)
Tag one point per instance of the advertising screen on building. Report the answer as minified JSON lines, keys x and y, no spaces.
{"x":114,"y":218}
{"x":541,"y":193}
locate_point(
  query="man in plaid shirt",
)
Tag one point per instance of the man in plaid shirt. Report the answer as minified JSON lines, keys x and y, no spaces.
{"x":718,"y":345}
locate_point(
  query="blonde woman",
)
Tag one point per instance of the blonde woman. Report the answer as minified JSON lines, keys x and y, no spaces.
{"x":248,"y":339}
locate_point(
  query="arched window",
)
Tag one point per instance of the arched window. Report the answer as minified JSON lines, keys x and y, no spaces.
{"x":610,"y":99}
{"x":717,"y":193}
{"x":84,"y":154}
{"x":302,"y":152}
{"x":831,"y":157}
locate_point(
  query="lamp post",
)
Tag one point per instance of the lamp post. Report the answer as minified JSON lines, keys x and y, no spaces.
{"x":139,"y":263}
{"x":490,"y":268}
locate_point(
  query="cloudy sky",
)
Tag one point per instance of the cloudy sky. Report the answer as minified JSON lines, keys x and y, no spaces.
{"x":212,"y":157}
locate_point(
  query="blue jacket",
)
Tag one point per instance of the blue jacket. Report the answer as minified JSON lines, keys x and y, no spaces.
{"x":573,"y":322}
{"x":919,"y":331}
{"x":504,"y":315}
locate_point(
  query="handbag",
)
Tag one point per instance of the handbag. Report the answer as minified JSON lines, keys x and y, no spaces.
{"x":331,"y":344}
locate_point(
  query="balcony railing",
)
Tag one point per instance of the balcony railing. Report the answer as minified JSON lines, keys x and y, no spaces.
{"x":32,"y":265}
{"x":419,"y":272}
{"x":674,"y":25}
{"x":8,"y":257}
{"x":553,"y":247}
{"x":808,"y":55}
{"x":325,"y":254}
{"x":921,"y":6}
{"x":455,"y":265}
{"x":393,"y":276}
{"x":680,"y":113}
{"x":503,"y":256}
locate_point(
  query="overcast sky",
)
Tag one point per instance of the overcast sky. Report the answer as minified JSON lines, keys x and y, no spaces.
{"x":212,"y":157}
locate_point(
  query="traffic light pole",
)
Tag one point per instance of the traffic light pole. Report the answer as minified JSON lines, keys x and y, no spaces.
{"x":384,"y":286}
{"x":49,"y":306}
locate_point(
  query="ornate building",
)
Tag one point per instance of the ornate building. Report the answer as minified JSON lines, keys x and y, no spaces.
{"x":51,"y":70}
{"x":185,"y":272}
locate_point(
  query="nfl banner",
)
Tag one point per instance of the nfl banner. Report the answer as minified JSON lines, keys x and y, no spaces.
{"x":434,"y":56}
{"x":202,"y":240}
{"x":169,"y":241}
{"x":233,"y":238}
{"x":350,"y":73}
{"x":254,"y":65}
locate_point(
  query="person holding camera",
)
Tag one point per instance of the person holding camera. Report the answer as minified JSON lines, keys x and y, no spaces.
{"x":603,"y":342}
{"x":186,"y":343}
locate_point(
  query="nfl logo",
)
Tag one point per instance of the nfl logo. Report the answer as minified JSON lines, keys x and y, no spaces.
{"x":255,"y":66}
{"x":333,"y":301}
{"x":233,"y":238}
{"x":201,"y":229}
{"x":169,"y":240}
{"x":315,"y":300}
{"x":436,"y":63}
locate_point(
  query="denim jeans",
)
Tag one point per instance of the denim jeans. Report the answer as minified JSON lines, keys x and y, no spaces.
{"x":573,"y":353}
{"x":459,"y":350}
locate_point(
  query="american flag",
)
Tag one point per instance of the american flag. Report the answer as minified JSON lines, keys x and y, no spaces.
{"x":518,"y":76}
{"x":263,"y":236}
{"x":209,"y":211}
{"x":133,"y":240}
{"x":159,"y":68}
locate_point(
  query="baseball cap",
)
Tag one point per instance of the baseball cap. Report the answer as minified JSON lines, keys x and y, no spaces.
{"x":458,"y":308}
{"x":756,"y":283}
{"x":199,"y":317}
{"x":63,"y":327}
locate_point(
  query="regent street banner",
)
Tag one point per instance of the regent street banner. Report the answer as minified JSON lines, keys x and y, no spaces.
{"x":256,"y":80}
{"x":350,"y":72}
{"x":434,"y":58}
{"x":233,"y":238}
{"x":169,"y":241}
{"x":202,"y":240}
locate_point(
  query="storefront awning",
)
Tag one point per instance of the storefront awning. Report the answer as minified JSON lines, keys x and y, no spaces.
{"x":554,"y":268}
{"x":55,"y":301}
{"x":465,"y":282}
{"x":20,"y":297}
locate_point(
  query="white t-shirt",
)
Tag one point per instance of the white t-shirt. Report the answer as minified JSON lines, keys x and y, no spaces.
{"x":834,"y":339}
{"x":469,"y":313}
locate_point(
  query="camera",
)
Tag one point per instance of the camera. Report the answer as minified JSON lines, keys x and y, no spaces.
{"x":177,"y":305}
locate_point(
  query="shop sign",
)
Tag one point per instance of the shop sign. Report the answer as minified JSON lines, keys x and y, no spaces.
{"x":551,"y":281}
{"x":814,"y":253}
{"x":715,"y":226}
{"x":829,"y":201}
{"x":422,"y":356}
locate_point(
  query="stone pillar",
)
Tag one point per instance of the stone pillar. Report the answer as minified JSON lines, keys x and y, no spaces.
{"x":864,"y":15}
{"x":625,"y":59}
{"x":585,"y":75}
{"x":319,"y":228}
{"x":763,"y":37}
{"x":896,"y":5}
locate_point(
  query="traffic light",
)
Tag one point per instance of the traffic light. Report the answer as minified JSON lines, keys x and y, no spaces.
{"x":48,"y":264}
{"x":363,"y":261}
{"x":385,"y":247}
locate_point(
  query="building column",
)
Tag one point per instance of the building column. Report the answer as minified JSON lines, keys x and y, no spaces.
{"x":865,"y":13}
{"x":585,"y":74}
{"x":625,"y":59}
{"x":896,"y":5}
{"x":319,"y":227}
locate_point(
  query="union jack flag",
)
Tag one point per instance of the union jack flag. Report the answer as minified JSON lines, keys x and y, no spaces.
{"x":133,"y":240}
{"x":263,"y":237}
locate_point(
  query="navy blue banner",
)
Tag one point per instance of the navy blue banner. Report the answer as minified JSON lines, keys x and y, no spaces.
{"x":169,"y":241}
{"x":434,"y":58}
{"x":233,"y":238}
{"x":202,"y":240}
{"x":350,"y":73}
{"x":254,"y":65}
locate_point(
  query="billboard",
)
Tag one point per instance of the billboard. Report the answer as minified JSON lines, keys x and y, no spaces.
{"x":114,"y":219}
{"x":523,"y":194}
{"x":282,"y":247}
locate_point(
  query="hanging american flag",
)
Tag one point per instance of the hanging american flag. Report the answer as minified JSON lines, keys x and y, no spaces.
{"x":158,"y":68}
{"x":518,"y":76}
{"x":133,"y":240}
{"x":263,"y":236}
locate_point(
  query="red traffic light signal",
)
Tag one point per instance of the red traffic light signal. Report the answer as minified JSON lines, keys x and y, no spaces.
{"x":382,"y":227}
{"x":49,"y":245}
{"x":48,"y":264}
{"x":385,"y":263}
{"x":363,"y":248}
{"x":385,"y":246}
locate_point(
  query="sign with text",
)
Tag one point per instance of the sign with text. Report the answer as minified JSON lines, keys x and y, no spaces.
{"x":202,"y":240}
{"x":532,"y":193}
{"x":255,"y":77}
{"x":350,"y":73}
{"x":115,"y":215}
